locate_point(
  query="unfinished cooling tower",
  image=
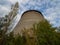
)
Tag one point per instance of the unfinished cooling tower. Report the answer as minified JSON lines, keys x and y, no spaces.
{"x":27,"y":20}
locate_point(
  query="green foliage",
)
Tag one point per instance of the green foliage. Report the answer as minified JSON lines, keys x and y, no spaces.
{"x":4,"y":23}
{"x":11,"y":40}
{"x":46,"y":34}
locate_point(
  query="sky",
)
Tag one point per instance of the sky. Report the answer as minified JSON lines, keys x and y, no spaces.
{"x":49,"y":8}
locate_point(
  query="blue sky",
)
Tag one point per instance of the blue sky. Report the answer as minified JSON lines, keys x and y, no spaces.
{"x":49,"y":8}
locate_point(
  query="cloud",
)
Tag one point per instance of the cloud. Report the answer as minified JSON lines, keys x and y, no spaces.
{"x":13,"y":1}
{"x":49,"y":8}
{"x":3,"y":10}
{"x":20,"y":1}
{"x":53,"y":14}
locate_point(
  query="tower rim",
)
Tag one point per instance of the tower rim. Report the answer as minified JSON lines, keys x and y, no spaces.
{"x":30,"y":11}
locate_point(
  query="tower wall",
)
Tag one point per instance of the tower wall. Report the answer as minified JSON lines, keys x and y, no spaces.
{"x":27,"y":20}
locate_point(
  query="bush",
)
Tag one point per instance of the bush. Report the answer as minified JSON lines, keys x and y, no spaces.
{"x":46,"y":34}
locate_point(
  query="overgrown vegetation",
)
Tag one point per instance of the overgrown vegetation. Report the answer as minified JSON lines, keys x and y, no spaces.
{"x":41,"y":34}
{"x":44,"y":34}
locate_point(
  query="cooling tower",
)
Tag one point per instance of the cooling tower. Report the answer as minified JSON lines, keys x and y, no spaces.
{"x":27,"y":20}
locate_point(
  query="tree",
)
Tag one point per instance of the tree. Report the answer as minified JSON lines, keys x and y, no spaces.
{"x":46,"y":34}
{"x":14,"y":11}
{"x":5,"y":22}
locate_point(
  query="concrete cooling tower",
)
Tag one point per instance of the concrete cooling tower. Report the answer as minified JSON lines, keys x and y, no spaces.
{"x":27,"y":20}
